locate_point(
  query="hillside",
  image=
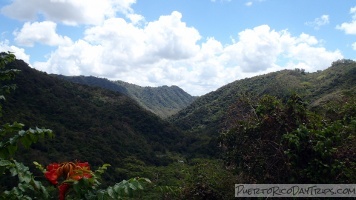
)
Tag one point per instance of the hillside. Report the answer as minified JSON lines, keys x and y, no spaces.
{"x":90,"y":124}
{"x":206,"y":115}
{"x":164,"y":101}
{"x":271,"y":139}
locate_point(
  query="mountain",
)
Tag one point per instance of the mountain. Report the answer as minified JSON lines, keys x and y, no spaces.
{"x":90,"y":123}
{"x":164,"y":101}
{"x":207,"y":114}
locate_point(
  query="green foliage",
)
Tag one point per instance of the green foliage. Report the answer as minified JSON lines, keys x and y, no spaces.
{"x":80,"y":114}
{"x":268,"y":139}
{"x":124,"y":189}
{"x":25,"y":137}
{"x":27,"y":187}
{"x":324,"y":150}
{"x":207,"y":115}
{"x":193,"y":179}
{"x":11,"y":135}
{"x":208,"y":180}
{"x":6,"y":74}
{"x":89,"y":188}
{"x":314,"y":155}
{"x":163,"y":101}
{"x":277,"y":142}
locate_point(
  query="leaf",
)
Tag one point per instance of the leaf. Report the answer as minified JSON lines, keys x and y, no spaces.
{"x":110,"y":192}
{"x":126,"y":189}
{"x":4,"y":163}
{"x":39,"y":166}
{"x":26,"y":177}
{"x":26,"y":141}
{"x":11,"y":149}
{"x":132,"y":186}
{"x":146,"y":179}
{"x":13,"y":171}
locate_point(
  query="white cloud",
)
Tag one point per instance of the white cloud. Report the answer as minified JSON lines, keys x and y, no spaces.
{"x":349,"y":28}
{"x":166,"y":38}
{"x":166,"y":52}
{"x":354,"y":46}
{"x":256,"y":50}
{"x":308,"y":39}
{"x":318,"y":22}
{"x":249,"y":3}
{"x":123,"y":44}
{"x":18,"y":52}
{"x":70,"y":12}
{"x":78,"y":58}
{"x":170,"y":38}
{"x":135,"y":18}
{"x":41,"y":32}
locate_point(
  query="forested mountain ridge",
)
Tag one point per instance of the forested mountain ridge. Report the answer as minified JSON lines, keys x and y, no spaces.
{"x":207,"y":113}
{"x":90,"y":124}
{"x":287,"y":126}
{"x":164,"y":101}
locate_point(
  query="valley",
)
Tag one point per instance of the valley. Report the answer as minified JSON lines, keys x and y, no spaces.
{"x":192,"y":147}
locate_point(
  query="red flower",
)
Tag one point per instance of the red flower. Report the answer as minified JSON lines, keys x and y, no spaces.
{"x":51,"y":173}
{"x":82,"y":171}
{"x":84,"y":165}
{"x":68,"y":171}
{"x":63,"y":188}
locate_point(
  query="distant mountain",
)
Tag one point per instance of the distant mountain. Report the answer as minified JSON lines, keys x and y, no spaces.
{"x":90,"y":123}
{"x":206,"y":115}
{"x":164,"y":101}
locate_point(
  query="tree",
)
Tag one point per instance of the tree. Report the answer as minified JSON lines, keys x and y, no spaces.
{"x":284,"y":142}
{"x":13,"y":134}
{"x":78,"y":181}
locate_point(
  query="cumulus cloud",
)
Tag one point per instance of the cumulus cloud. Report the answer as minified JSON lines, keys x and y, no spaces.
{"x":120,"y":45}
{"x":18,"y":52}
{"x":136,"y":19}
{"x":318,"y":22}
{"x":166,"y":52}
{"x":41,"y":32}
{"x":76,"y":59}
{"x":256,"y":50}
{"x":170,"y":38}
{"x":166,"y":38}
{"x":349,"y":27}
{"x":70,"y":12}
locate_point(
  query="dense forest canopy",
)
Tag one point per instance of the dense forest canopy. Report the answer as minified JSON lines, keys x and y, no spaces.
{"x":163,"y":101}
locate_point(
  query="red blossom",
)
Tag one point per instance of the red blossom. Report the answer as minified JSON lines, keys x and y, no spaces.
{"x":67,"y":170}
{"x":84,"y":165}
{"x":63,"y":188}
{"x":51,"y":173}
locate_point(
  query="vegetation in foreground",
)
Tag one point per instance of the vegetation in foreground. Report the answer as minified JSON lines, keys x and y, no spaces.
{"x":272,"y":141}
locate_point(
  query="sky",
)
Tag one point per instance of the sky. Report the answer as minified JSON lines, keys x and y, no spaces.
{"x":198,"y":45}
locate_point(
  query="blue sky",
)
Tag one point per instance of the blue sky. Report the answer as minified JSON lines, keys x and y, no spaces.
{"x":198,"y":45}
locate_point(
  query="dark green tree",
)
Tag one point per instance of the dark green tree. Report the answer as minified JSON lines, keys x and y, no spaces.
{"x":16,"y":180}
{"x":272,"y":141}
{"x":11,"y":135}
